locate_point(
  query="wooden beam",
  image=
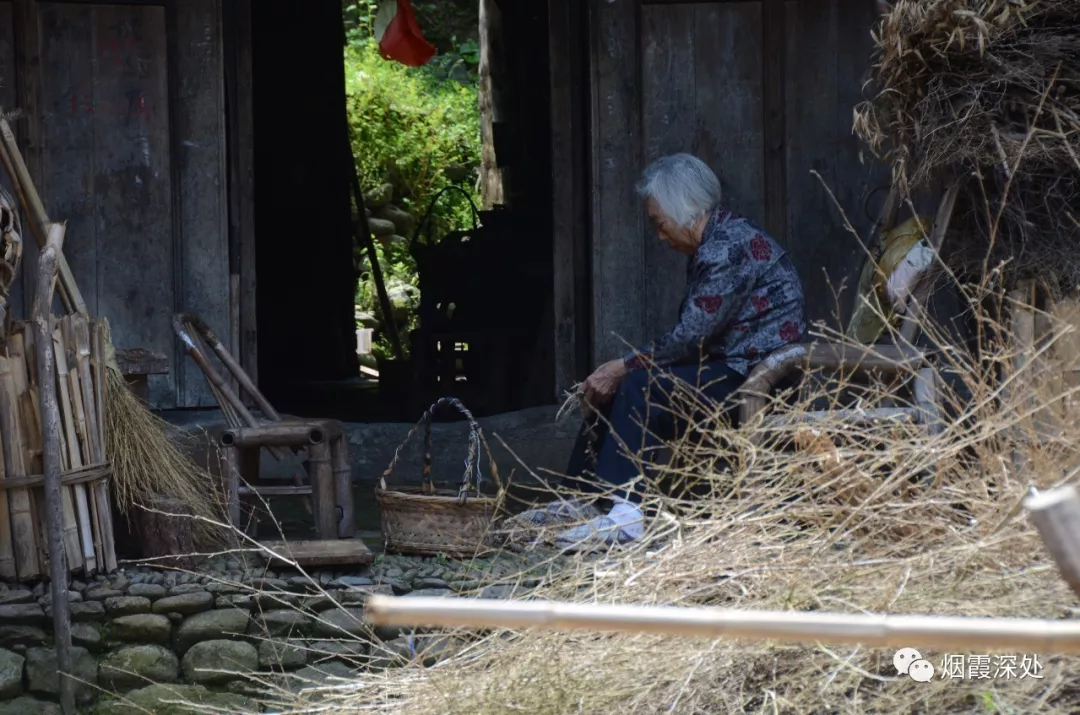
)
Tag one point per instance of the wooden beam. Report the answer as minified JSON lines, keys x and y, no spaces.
{"x":50,"y":418}
{"x":569,"y":190}
{"x":617,"y":229}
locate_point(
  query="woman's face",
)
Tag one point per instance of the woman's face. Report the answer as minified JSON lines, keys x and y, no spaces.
{"x":682,"y":240}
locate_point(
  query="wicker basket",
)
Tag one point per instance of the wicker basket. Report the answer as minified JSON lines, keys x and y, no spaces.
{"x":429,"y":521}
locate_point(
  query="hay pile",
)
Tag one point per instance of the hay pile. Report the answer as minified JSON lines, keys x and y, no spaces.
{"x":989,"y":87}
{"x":845,"y":524}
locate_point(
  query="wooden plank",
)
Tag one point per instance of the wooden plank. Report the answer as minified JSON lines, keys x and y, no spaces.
{"x":730,"y":136}
{"x":669,"y":115}
{"x":66,"y":122}
{"x":618,"y":257}
{"x":237,"y":48}
{"x":133,"y":183}
{"x":773,"y":43}
{"x":198,"y":150}
{"x":816,"y":239}
{"x":572,"y":340}
{"x":322,"y":553}
{"x":135,"y":361}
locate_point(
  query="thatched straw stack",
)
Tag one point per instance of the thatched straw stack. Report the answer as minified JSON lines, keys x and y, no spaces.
{"x":990,"y":87}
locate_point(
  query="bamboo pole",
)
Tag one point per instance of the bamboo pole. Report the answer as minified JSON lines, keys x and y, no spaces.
{"x":871,"y":630}
{"x":73,"y":453}
{"x":97,"y":365}
{"x":28,"y":405}
{"x":72,"y":546}
{"x":8,"y":564}
{"x":99,"y":491}
{"x":22,"y":516}
{"x":82,"y":430}
{"x":1056,"y":516}
{"x":48,"y":260}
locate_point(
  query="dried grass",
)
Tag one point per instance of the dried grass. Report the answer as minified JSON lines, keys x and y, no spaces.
{"x":147,"y":461}
{"x":992,"y":88}
{"x":853,"y":520}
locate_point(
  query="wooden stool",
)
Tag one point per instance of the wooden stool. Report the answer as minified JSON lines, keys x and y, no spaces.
{"x":327,"y":463}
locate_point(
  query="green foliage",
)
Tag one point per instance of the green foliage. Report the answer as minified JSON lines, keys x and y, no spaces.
{"x":417,"y":129}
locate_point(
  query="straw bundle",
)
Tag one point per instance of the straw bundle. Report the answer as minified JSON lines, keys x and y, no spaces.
{"x":990,"y":87}
{"x":86,"y":510}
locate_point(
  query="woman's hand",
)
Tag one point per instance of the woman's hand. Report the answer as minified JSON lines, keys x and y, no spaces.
{"x":602,"y":385}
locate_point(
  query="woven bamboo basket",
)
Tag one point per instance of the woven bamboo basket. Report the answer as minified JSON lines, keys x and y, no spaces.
{"x":429,"y":521}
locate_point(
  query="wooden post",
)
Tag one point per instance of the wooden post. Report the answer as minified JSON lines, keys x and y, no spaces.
{"x":322,"y":489}
{"x":43,"y":343}
{"x":339,"y":458}
{"x":231,"y":475}
{"x":1056,"y":516}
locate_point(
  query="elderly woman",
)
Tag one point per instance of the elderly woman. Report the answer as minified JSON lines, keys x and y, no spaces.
{"x":743,"y":301}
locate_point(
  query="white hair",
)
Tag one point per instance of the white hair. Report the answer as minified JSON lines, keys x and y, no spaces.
{"x":683,"y":187}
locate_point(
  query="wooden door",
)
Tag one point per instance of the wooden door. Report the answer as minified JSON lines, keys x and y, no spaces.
{"x":762,"y":91}
{"x":123,"y":129}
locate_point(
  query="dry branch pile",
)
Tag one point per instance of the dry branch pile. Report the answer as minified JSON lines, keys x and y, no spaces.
{"x":990,"y":87}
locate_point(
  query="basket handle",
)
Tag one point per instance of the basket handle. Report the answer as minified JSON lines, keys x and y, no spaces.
{"x":477,"y":441}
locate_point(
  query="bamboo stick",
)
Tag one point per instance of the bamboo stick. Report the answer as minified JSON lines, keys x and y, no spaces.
{"x":99,"y":490}
{"x":48,"y":260}
{"x":81,"y":429}
{"x":872,"y":630}
{"x":322,"y":489}
{"x":97,"y":363}
{"x":72,"y":545}
{"x":74,"y":457}
{"x":75,"y":389}
{"x":22,"y":515}
{"x":29,"y":412}
{"x":339,"y":459}
{"x":8,"y":570}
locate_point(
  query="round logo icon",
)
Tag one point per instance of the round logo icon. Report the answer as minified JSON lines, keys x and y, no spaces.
{"x":904,"y":658}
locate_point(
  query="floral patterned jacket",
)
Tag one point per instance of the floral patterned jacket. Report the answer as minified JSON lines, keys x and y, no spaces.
{"x":743,"y":301}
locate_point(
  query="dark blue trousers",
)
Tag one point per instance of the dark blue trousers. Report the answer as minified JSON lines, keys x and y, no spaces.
{"x":650,"y":407}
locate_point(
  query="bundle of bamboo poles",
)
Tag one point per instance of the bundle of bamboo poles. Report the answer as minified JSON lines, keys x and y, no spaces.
{"x":79,"y":376}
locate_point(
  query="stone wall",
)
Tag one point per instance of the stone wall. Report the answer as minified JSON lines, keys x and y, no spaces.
{"x":219,"y":635}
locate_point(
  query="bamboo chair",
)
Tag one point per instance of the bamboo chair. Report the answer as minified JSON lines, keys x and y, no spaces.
{"x":881,"y":360}
{"x":329,"y":474}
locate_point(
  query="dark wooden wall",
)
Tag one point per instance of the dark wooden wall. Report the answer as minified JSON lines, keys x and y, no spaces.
{"x":123,"y":128}
{"x":763,"y":91}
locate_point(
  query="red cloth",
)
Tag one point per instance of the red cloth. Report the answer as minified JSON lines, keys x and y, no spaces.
{"x":403,"y":42}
